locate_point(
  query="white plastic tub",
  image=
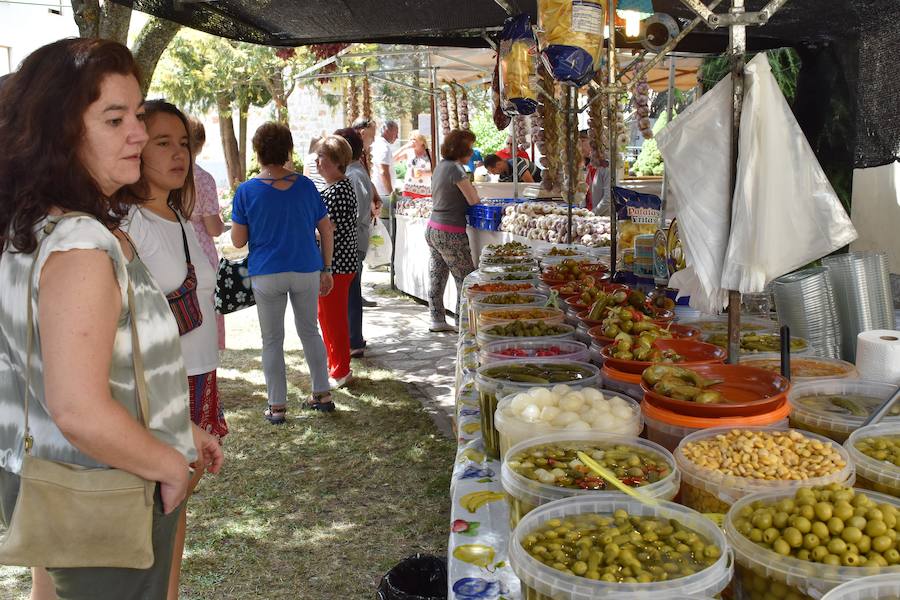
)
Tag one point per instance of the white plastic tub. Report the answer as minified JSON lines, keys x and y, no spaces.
{"x":540,"y":582}
{"x":707,"y":490}
{"x":524,"y":494}
{"x":876,"y":587}
{"x":511,"y":430}
{"x":760,"y":572}
{"x":483,"y":338}
{"x":873,"y":474}
{"x":834,"y":423}
{"x":569,"y":350}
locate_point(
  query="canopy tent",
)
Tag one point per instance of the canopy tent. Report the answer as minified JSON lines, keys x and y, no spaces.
{"x":849,"y":47}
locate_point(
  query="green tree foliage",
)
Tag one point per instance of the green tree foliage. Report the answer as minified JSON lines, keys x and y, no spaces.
{"x":785,"y":63}
{"x":487,"y":138}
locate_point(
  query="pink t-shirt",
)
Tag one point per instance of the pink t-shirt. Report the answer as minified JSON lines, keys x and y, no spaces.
{"x":207,"y":204}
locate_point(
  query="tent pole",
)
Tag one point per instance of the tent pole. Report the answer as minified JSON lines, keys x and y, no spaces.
{"x":670,"y":102}
{"x":435,"y":128}
{"x":515,"y":157}
{"x":738,"y":50}
{"x":611,"y":126}
{"x":571,"y":166}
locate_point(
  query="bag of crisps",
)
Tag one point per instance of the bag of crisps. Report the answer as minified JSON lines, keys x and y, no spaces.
{"x":636,"y":214}
{"x":518,"y":68}
{"x":572,"y":38}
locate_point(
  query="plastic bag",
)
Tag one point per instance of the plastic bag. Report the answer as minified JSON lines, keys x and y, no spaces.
{"x":379,"y":252}
{"x":572,"y":38}
{"x":419,"y":577}
{"x":696,"y":148}
{"x":518,"y":71}
{"x":636,"y":214}
{"x":785,"y":212}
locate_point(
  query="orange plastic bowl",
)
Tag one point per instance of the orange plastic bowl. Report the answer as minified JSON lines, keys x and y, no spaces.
{"x":694,"y":353}
{"x":747,"y":391}
{"x":582,"y":316}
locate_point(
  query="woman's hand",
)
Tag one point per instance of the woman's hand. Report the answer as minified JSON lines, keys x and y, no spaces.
{"x":326,"y":283}
{"x":209,"y":450}
{"x":173,"y":487}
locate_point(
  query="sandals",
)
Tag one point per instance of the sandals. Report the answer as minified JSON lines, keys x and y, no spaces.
{"x":276,"y":415}
{"x":321,"y":402}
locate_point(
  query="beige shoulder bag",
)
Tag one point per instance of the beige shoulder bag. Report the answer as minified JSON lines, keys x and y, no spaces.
{"x":72,"y":516}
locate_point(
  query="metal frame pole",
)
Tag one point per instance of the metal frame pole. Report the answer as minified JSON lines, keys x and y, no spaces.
{"x":738,"y":54}
{"x":571,"y":115}
{"x":515,"y":157}
{"x":611,"y":100}
{"x":670,"y":103}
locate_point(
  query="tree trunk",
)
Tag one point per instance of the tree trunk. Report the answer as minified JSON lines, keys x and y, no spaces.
{"x":87,"y":17}
{"x":151,"y":42}
{"x":229,"y":142}
{"x":115,"y":20}
{"x":243,"y":110}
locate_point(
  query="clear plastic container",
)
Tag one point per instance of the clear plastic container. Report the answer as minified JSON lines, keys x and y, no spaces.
{"x":871,"y":473}
{"x":512,"y":430}
{"x":483,"y":338}
{"x":623,"y":383}
{"x":831,"y":420}
{"x":507,"y":261}
{"x":541,"y":582}
{"x":507,"y":269}
{"x":875,"y":587}
{"x":524,"y":494}
{"x":719,"y":324}
{"x":491,"y":315}
{"x":529,"y":277}
{"x":490,"y":390}
{"x":478,"y":305}
{"x":668,"y":429}
{"x":547,"y":261}
{"x":596,"y":357}
{"x":772,"y":362}
{"x":581,"y":333}
{"x":568,"y":350}
{"x":761,"y":574}
{"x":804,"y":348}
{"x":709,"y":491}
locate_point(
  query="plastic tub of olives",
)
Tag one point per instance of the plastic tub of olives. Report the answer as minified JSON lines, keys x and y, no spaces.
{"x":876,"y":587}
{"x":697,"y":564}
{"x":711,"y":491}
{"x":824,"y":558}
{"x":875,"y":450}
{"x":544,"y":469}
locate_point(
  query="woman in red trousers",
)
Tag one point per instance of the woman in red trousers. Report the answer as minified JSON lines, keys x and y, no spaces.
{"x":334,"y":154}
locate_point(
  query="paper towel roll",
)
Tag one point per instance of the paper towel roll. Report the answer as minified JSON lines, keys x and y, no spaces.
{"x":878,"y":355}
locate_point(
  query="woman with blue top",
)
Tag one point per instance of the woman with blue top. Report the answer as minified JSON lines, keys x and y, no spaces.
{"x":278,"y":212}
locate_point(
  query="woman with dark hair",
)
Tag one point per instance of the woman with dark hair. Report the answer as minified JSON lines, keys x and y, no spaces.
{"x":452,"y":193}
{"x":159,"y":225}
{"x":278,"y":213}
{"x":365,"y":201}
{"x":340,"y":199}
{"x":73,"y":113}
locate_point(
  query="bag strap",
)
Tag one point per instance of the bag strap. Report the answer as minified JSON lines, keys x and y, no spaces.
{"x":139,"y":375}
{"x":187,"y":253}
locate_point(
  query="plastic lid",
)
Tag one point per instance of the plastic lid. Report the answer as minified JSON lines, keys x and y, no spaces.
{"x":569,"y":349}
{"x":876,"y":587}
{"x":771,"y":361}
{"x":538,"y":494}
{"x":834,"y":418}
{"x":484,"y":338}
{"x":666,"y":416}
{"x":879,"y":472}
{"x":729,"y":488}
{"x":560,"y":586}
{"x":811,"y":578}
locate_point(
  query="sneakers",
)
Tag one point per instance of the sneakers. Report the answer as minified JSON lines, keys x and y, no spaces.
{"x":443,"y":327}
{"x":342,"y":381}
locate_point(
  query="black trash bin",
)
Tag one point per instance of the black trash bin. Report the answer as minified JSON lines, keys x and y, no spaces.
{"x":418,"y":577}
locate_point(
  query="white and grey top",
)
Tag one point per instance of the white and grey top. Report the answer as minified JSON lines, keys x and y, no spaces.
{"x":166,"y":378}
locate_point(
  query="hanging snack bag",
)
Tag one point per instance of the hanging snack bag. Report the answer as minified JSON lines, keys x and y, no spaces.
{"x":572,"y":38}
{"x":636,"y":214}
{"x":518,"y":68}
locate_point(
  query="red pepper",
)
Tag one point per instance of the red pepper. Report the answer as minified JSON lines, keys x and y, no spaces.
{"x":633,"y":481}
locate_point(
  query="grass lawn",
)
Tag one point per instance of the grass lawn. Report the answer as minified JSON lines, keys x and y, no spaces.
{"x":318,"y":508}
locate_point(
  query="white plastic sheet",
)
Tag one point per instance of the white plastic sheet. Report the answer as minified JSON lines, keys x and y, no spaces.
{"x":379,"y":252}
{"x":696,"y":150}
{"x":785,"y":212}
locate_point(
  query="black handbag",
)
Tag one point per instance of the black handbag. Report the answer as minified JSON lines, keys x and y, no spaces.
{"x":233,"y":289}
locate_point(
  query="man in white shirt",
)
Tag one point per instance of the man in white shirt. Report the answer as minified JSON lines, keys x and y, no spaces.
{"x":383,"y":159}
{"x":309,"y":165}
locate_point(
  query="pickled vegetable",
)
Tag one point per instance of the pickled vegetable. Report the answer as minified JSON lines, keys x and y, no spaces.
{"x":641,"y":348}
{"x":571,"y":270}
{"x":884,"y":448}
{"x":682,"y":384}
{"x":629,"y":320}
{"x":758,"y":342}
{"x":802,"y":367}
{"x":621,"y":548}
{"x":509,"y":249}
{"x":509,"y":298}
{"x":499,"y":287}
{"x":853,"y":405}
{"x":526,"y":329}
